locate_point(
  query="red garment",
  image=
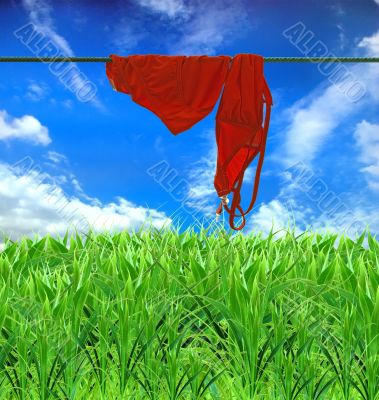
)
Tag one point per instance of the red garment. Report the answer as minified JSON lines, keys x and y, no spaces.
{"x":182,"y":90}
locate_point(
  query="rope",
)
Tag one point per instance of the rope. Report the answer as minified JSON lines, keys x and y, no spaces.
{"x":323,"y":59}
{"x":57,"y":59}
{"x":266,"y":59}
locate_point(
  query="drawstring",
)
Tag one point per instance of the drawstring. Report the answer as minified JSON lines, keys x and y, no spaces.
{"x":224,"y":202}
{"x":237,"y":196}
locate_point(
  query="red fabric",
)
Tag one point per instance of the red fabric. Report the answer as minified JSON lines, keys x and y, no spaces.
{"x":182,"y":90}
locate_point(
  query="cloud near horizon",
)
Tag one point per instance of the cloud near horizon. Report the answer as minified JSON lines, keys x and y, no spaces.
{"x":33,"y":203}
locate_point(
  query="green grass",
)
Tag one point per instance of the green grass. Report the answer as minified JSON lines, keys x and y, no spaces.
{"x":162,"y":315}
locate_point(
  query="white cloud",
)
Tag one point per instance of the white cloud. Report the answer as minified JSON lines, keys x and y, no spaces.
{"x":55,"y":157}
{"x":286,"y":212}
{"x":126,"y":34}
{"x":36,"y":91}
{"x":351,"y":223}
{"x":367,"y":136}
{"x":314,"y":118}
{"x":273,"y":215}
{"x":367,"y":139}
{"x":76,"y":185}
{"x":201,"y":26}
{"x":372,"y":169}
{"x":211,"y":25}
{"x":80,"y":192}
{"x":373,"y":185}
{"x":369,"y":73}
{"x":26,"y":128}
{"x":343,"y":40}
{"x":30,"y":204}
{"x":377,"y":1}
{"x":310,"y":126}
{"x":371,"y":44}
{"x":40,"y":15}
{"x":61,"y":179}
{"x":201,"y":192}
{"x":171,"y":8}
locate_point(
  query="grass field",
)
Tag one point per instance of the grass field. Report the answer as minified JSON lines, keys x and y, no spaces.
{"x":162,"y":315}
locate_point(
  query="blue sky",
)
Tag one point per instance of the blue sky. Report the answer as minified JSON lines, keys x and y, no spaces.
{"x":89,"y":160}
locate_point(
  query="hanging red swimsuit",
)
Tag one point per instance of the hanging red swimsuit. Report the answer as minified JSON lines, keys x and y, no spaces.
{"x":182,"y":90}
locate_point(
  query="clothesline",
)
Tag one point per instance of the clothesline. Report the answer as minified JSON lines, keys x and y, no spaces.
{"x":266,"y":59}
